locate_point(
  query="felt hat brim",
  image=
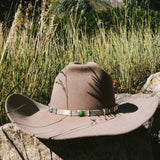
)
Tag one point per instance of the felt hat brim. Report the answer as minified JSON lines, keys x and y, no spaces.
{"x":35,"y":119}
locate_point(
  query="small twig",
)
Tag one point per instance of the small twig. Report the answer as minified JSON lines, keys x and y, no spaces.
{"x":12,"y":110}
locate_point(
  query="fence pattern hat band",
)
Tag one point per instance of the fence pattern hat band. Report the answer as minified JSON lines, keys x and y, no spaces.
{"x":84,"y":112}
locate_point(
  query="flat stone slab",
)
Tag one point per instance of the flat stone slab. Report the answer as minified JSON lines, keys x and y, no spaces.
{"x":17,"y":145}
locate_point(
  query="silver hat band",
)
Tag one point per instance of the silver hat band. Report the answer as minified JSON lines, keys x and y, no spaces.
{"x":84,"y":112}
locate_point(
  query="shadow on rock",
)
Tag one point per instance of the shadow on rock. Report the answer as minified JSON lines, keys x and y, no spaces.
{"x":135,"y":145}
{"x":155,"y":134}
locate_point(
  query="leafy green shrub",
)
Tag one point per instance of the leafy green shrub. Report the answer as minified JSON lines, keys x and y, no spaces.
{"x":152,"y":4}
{"x":130,"y":18}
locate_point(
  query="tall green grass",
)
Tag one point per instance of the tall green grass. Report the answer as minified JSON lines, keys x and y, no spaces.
{"x":30,"y":60}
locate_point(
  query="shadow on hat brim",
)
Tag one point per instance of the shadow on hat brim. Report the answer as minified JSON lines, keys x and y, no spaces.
{"x":35,"y":119}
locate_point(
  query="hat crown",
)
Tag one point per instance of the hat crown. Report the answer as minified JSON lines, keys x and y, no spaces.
{"x":82,"y":87}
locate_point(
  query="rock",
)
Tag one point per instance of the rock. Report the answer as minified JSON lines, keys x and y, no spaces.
{"x":105,"y":4}
{"x":115,"y":3}
{"x":17,"y":145}
{"x":152,"y":84}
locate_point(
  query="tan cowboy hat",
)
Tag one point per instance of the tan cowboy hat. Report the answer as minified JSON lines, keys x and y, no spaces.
{"x":82,"y":105}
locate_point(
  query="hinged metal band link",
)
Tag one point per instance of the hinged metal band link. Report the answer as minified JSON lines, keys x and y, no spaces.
{"x":84,"y":112}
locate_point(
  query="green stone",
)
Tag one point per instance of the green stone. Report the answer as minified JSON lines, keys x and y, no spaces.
{"x":80,"y":113}
{"x":50,"y":109}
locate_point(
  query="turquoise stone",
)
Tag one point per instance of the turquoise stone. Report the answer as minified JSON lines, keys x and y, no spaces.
{"x":80,"y":113}
{"x":50,"y":109}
